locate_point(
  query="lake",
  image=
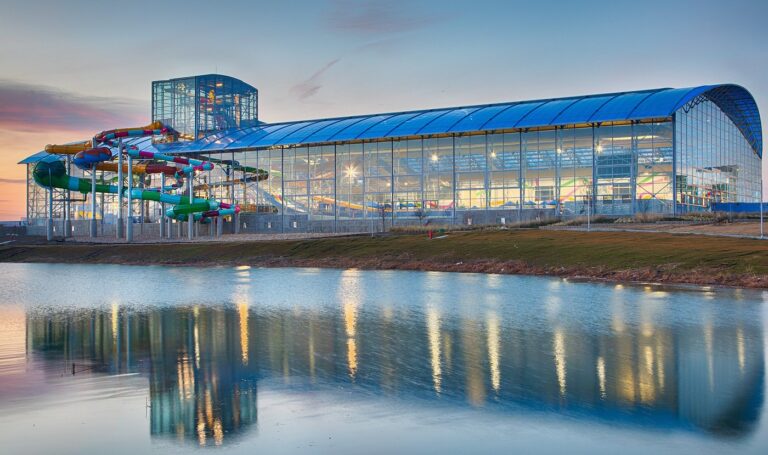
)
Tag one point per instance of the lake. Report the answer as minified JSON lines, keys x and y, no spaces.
{"x":127,"y":359}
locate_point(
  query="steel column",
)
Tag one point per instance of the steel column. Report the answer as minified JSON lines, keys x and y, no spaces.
{"x":93,"y":201}
{"x":162,"y":206}
{"x":191,"y":216}
{"x":129,"y":220}
{"x":49,"y":221}
{"x":120,"y":221}
{"x":67,"y":219}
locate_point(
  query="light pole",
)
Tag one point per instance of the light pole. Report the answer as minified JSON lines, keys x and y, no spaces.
{"x":761,"y":201}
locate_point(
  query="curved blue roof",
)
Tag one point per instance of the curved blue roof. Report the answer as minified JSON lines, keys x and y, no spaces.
{"x":734,"y":100}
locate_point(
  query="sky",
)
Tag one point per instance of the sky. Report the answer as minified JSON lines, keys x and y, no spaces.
{"x":71,"y":69}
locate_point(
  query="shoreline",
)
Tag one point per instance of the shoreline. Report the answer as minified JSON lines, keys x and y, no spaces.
{"x":620,"y":257}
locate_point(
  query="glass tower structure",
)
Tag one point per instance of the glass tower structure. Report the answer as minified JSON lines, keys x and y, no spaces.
{"x":200,"y":105}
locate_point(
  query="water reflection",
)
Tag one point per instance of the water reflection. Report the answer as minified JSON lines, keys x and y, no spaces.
{"x":205,"y":362}
{"x":485,"y":353}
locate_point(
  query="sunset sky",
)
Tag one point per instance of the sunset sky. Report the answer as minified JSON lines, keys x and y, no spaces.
{"x":70,"y":69}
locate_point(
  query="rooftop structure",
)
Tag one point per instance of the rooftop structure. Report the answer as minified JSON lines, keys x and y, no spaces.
{"x":196,"y":106}
{"x":589,"y":110}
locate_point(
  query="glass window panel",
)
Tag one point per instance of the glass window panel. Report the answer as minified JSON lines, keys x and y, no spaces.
{"x":445,"y":122}
{"x":407,"y":159}
{"x":582,"y":110}
{"x":510,"y":117}
{"x":477,"y":119}
{"x":470,"y":199}
{"x":620,"y":107}
{"x":408,"y":165}
{"x":660,"y":104}
{"x":378,"y":159}
{"x":538,"y":164}
{"x":715,"y":161}
{"x":470,"y":154}
{"x":504,"y":175}
{"x":383,"y":128}
{"x":275,"y":136}
{"x":471,"y":163}
{"x":256,"y":134}
{"x":438,"y":176}
{"x":583,"y":160}
{"x":355,"y":129}
{"x":349,"y":181}
{"x":299,"y":136}
{"x":414,"y":124}
{"x":230,"y":138}
{"x":264,"y":195}
{"x":546,"y":113}
{"x":325,"y":134}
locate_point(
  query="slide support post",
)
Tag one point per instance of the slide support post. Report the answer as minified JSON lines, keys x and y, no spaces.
{"x":191,"y":216}
{"x":49,"y":221}
{"x":120,"y":221}
{"x":129,"y":220}
{"x":93,"y":201}
{"x":67,"y":205}
{"x":162,"y":207}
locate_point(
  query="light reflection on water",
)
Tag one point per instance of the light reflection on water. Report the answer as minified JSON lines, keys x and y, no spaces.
{"x":213,"y":354}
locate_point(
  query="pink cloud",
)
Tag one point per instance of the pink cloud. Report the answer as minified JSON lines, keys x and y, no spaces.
{"x":26,"y":107}
{"x":13,"y":181}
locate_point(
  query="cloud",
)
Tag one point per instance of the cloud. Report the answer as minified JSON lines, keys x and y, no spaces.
{"x":13,"y":181}
{"x":376,"y":16}
{"x":312,"y":85}
{"x":28,"y":107}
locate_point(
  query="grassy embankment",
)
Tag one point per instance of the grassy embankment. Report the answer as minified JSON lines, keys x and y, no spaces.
{"x":619,"y":256}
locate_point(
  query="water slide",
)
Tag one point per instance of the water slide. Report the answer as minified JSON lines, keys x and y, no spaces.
{"x":89,"y":155}
{"x":85,"y":155}
{"x":250,"y":174}
{"x":54,"y":174}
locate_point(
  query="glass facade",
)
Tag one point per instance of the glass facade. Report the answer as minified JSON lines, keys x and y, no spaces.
{"x":715,"y":163}
{"x":611,"y":169}
{"x":198,"y":106}
{"x":614,"y":169}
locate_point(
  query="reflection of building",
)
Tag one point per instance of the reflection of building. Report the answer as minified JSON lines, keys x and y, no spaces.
{"x":199,"y":385}
{"x":204,"y":363}
{"x":196,"y":392}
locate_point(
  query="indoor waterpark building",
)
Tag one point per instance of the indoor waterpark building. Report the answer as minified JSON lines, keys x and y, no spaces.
{"x":661,"y":151}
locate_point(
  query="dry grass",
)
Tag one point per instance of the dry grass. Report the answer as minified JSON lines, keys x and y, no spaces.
{"x":606,"y":255}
